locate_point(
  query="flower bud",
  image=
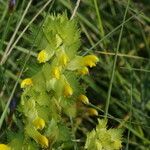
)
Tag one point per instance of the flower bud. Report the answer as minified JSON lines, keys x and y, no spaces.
{"x":39,"y":123}
{"x":26,"y":82}
{"x":42,"y":56}
{"x":92,"y":112}
{"x":68,"y":91}
{"x":42,"y":140}
{"x":56,"y":72}
{"x":84,"y":99}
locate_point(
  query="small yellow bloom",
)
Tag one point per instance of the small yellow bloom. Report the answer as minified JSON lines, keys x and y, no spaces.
{"x":26,"y":82}
{"x":63,"y":59}
{"x":42,"y":140}
{"x":42,"y":56}
{"x":4,"y":147}
{"x":68,"y":91}
{"x":92,"y":112}
{"x":56,"y":72}
{"x":90,"y":60}
{"x":83,"y":71}
{"x":84,"y":99}
{"x":39,"y":123}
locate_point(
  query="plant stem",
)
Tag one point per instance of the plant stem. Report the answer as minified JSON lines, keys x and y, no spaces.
{"x":114,"y":63}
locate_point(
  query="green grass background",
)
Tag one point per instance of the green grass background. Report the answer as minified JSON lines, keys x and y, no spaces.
{"x":117,"y":31}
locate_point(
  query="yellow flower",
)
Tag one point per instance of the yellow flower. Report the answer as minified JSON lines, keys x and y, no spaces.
{"x":63,"y":59}
{"x":42,"y":140}
{"x":83,"y":71}
{"x":4,"y":147}
{"x":68,"y":91}
{"x":84,"y":99}
{"x":92,"y":112}
{"x":26,"y":82}
{"x":56,"y":72}
{"x":90,"y":60}
{"x":42,"y":56}
{"x":39,"y":123}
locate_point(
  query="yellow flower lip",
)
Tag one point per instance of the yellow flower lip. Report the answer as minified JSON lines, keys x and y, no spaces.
{"x":39,"y":123}
{"x":26,"y":82}
{"x":68,"y":91}
{"x":84,"y":99}
{"x":56,"y":72}
{"x":41,"y":139}
{"x":42,"y":56}
{"x":90,"y":60}
{"x":4,"y":147}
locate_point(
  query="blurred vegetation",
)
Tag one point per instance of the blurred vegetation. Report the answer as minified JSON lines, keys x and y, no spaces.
{"x":100,"y":23}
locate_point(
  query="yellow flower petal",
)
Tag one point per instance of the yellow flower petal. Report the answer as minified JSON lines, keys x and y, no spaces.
{"x":42,"y":140}
{"x":42,"y":56}
{"x":68,"y":91}
{"x":84,"y":99}
{"x":26,"y":82}
{"x":90,"y":60}
{"x":39,"y":123}
{"x":4,"y":147}
{"x":56,"y":72}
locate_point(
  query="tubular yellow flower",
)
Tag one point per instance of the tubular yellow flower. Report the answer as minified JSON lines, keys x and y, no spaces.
{"x":39,"y":123}
{"x":26,"y":82}
{"x":42,"y":56}
{"x":4,"y":147}
{"x":56,"y":72}
{"x":68,"y":91}
{"x":90,"y":60}
{"x":63,"y":59}
{"x":92,"y":112}
{"x":41,"y":139}
{"x":83,"y":71}
{"x":84,"y":99}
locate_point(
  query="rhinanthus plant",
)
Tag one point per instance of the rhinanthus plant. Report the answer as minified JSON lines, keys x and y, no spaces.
{"x":50,"y":99}
{"x":103,"y":139}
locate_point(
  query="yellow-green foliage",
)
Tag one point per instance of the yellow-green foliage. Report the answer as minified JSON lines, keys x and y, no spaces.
{"x":51,"y":95}
{"x":102,"y":138}
{"x":49,"y":99}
